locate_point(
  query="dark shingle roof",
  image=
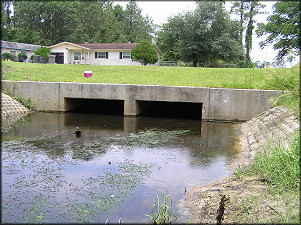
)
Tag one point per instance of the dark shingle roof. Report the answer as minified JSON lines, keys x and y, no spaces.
{"x":19,"y":46}
{"x":104,"y":46}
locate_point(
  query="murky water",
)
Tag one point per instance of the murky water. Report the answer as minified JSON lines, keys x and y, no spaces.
{"x":114,"y":171}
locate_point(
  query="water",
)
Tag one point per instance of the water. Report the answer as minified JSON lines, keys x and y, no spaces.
{"x":114,"y":171}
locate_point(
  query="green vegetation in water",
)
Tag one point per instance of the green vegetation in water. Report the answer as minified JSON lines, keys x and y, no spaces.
{"x":278,"y":166}
{"x":162,"y":211}
{"x":246,"y":78}
{"x":106,"y":193}
{"x":149,"y":138}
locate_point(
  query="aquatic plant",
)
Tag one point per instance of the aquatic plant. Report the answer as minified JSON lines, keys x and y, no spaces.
{"x":162,"y":212}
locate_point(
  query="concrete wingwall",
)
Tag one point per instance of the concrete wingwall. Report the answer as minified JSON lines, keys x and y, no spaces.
{"x":217,"y":103}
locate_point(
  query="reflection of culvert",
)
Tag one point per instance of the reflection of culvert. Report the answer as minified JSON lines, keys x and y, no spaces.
{"x":98,"y":106}
{"x":186,"y":110}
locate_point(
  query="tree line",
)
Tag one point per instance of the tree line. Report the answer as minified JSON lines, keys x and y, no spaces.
{"x":52,"y":22}
{"x":207,"y":34}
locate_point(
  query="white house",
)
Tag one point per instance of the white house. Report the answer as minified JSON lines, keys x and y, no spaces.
{"x":15,"y":48}
{"x":96,"y":54}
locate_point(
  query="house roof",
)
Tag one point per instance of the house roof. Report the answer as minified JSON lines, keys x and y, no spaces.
{"x":106,"y":46}
{"x":19,"y":46}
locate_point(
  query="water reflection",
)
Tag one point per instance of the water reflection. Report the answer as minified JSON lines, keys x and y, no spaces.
{"x":114,"y":170}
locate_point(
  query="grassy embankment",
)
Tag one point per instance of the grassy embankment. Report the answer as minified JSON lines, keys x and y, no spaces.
{"x":172,"y":76}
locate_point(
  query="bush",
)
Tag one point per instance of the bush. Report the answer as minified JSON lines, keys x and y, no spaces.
{"x":7,"y":56}
{"x":146,"y":52}
{"x":22,"y":56}
{"x":215,"y":63}
{"x":43,"y":52}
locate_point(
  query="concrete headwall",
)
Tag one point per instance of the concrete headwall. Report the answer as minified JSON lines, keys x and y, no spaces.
{"x":218,"y":103}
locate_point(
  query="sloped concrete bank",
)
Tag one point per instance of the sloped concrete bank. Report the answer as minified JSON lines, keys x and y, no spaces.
{"x":273,"y":125}
{"x":11,"y":107}
{"x":11,"y":111}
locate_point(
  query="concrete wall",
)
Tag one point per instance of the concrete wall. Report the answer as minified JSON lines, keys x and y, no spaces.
{"x":218,"y":103}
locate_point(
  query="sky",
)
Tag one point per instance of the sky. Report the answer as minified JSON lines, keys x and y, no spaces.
{"x":159,"y":11}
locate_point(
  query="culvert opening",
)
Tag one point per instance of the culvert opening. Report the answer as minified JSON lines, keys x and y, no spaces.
{"x":183,"y":110}
{"x":94,"y":106}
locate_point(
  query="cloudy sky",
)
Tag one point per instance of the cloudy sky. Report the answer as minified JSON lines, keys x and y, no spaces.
{"x":159,"y":11}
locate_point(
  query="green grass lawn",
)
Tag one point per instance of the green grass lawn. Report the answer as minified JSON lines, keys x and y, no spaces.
{"x":246,"y":78}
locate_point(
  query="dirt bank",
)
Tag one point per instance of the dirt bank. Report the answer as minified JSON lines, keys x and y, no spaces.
{"x":204,"y":201}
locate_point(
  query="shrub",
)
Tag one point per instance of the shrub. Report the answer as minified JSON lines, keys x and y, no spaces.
{"x":22,"y":56}
{"x":44,"y":52}
{"x":7,"y":56}
{"x":146,"y":52}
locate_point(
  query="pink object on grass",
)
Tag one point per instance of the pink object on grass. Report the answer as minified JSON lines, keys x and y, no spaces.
{"x":87,"y":73}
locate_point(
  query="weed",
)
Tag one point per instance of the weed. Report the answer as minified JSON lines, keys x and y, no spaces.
{"x":26,"y":102}
{"x":290,"y":84}
{"x":162,"y":212}
{"x":281,"y":164}
{"x":278,"y":166}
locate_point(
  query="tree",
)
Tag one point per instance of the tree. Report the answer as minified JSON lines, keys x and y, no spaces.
{"x":168,"y":35}
{"x":7,"y":56}
{"x":137,"y":27}
{"x":44,"y":52}
{"x":204,"y":35}
{"x":6,"y":21}
{"x":21,"y":57}
{"x":247,"y":10}
{"x":282,"y":28}
{"x":145,"y":51}
{"x":50,"y":21}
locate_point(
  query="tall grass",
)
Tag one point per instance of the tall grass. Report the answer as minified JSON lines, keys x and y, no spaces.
{"x":290,"y":84}
{"x":280,"y":164}
{"x":162,"y":211}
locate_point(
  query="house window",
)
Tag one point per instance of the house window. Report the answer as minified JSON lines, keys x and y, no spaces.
{"x":126,"y":55}
{"x":77,"y":55}
{"x":101,"y":55}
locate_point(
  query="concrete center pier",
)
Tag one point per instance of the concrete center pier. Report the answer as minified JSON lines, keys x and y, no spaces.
{"x":221,"y":104}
